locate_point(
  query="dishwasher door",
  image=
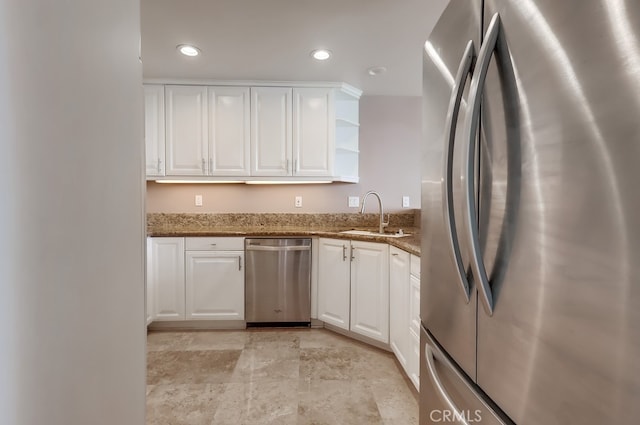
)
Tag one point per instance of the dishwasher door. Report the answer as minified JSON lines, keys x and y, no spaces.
{"x":278,"y":280}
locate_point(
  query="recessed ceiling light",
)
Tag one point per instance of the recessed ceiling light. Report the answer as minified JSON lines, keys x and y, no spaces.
{"x":321,"y":54}
{"x":376,"y":70}
{"x":188,"y":50}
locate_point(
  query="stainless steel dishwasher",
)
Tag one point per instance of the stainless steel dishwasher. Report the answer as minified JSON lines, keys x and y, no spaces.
{"x":278,"y":281}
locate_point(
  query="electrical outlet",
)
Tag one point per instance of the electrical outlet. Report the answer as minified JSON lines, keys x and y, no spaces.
{"x":354,"y":201}
{"x":298,"y":202}
{"x":405,"y":202}
{"x":198,"y":200}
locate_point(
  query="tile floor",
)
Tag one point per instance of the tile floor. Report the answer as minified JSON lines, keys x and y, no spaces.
{"x":273,"y":376}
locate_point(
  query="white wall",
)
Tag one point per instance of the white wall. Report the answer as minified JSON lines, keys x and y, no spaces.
{"x":390,"y":134}
{"x":72,"y":334}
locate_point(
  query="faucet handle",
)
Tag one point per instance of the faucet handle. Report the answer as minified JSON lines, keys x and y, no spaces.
{"x":386,"y":223}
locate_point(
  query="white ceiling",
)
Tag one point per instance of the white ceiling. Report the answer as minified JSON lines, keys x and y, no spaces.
{"x":272,"y":39}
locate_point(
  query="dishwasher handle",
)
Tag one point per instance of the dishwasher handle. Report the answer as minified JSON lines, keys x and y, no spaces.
{"x":278,"y":248}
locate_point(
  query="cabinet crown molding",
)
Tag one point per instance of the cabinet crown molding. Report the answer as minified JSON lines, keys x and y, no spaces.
{"x":344,"y":87}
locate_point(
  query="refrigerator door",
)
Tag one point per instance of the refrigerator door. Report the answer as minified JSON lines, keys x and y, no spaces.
{"x":446,"y":309}
{"x":559,"y":202}
{"x":446,"y":394}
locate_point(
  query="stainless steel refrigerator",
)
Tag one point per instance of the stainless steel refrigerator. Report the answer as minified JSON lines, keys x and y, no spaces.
{"x":530,"y":299}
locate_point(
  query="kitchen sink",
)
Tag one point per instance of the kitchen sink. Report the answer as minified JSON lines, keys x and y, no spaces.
{"x":370,"y":233}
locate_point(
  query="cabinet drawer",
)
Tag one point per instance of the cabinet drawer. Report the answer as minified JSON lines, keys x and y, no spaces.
{"x":415,"y":265}
{"x":214,"y":244}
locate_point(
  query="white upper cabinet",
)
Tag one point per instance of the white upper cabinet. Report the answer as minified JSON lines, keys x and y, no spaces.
{"x":271,"y":131}
{"x":229,"y":131}
{"x":244,"y":133}
{"x":154,"y":129}
{"x":186,"y":130}
{"x":347,"y":136}
{"x":313,"y":131}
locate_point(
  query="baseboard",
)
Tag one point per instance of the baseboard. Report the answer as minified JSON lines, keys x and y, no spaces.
{"x":359,"y":337}
{"x":186,"y":325}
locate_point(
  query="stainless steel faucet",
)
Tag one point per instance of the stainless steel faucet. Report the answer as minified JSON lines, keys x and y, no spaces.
{"x":364,"y":200}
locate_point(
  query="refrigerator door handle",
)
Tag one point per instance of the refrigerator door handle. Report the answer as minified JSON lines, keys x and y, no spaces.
{"x":442,"y":393}
{"x":464,"y":70}
{"x":475,"y":97}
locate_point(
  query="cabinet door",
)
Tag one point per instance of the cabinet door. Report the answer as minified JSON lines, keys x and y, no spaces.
{"x":313,"y":132}
{"x":215,"y":285}
{"x":399,"y":272}
{"x":149,"y":285}
{"x":186,"y":135}
{"x":370,"y":290}
{"x":154,"y":129}
{"x":271,"y":128}
{"x":333,"y":282}
{"x":166,"y":274}
{"x":413,"y":369}
{"x":414,"y":305}
{"x":229,"y":129}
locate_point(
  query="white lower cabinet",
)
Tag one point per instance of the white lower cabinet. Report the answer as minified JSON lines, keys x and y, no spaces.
{"x":334,"y":282}
{"x":165,"y":279}
{"x":214,"y":285}
{"x":399,"y":316}
{"x":353,"y":286}
{"x":404,"y":311}
{"x":413,"y":364}
{"x":149,"y":308}
{"x":197,"y":278}
{"x":370,"y":290}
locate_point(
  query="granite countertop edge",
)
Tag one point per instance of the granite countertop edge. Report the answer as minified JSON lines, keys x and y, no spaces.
{"x":410,"y":243}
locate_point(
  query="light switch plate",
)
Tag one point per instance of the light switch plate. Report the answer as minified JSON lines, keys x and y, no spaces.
{"x":198,"y":200}
{"x":405,"y":202}
{"x":298,"y":202}
{"x":354,"y":201}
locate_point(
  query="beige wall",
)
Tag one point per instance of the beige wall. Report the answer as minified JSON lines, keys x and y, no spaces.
{"x":390,"y":129}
